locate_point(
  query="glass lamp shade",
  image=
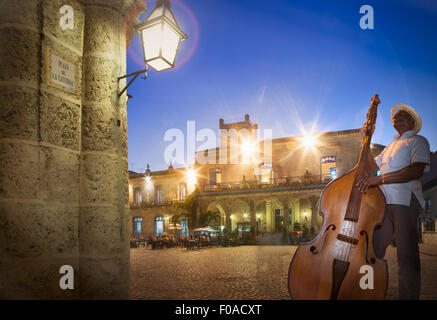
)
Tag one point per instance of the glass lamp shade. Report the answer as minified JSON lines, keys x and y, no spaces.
{"x":160,"y":36}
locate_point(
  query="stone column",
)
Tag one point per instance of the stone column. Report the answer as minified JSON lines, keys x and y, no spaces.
{"x":295,"y":205}
{"x":228,"y":222}
{"x":39,"y":152}
{"x":252,"y":219}
{"x":269,"y":216}
{"x":285,"y":229}
{"x":104,"y":200}
{"x":198,"y":212}
{"x":314,"y":201}
{"x":63,"y":157}
{"x":252,"y":215}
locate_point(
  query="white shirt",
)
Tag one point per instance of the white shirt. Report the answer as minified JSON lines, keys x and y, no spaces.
{"x":402,"y":152}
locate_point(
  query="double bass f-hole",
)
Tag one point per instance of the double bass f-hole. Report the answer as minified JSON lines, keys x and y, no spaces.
{"x":313,"y":248}
{"x":372,"y":260}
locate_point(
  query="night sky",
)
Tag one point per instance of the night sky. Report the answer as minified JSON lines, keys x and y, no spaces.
{"x":292,"y":65}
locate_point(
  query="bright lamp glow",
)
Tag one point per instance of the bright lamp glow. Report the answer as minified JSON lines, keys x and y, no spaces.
{"x":246,"y":147}
{"x":161,"y":35}
{"x":148,"y":179}
{"x":258,"y":216}
{"x":305,"y":213}
{"x":245,"y":215}
{"x":309,"y":141}
{"x":191,"y":178}
{"x":249,"y":151}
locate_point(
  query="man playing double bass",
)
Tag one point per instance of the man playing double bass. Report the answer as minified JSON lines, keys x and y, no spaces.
{"x":401,"y":165}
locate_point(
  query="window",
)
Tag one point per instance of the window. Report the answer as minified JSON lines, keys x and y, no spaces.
{"x":329,"y":167}
{"x":427,"y":204}
{"x":159,"y":196}
{"x":138,"y":227}
{"x":182,"y":191}
{"x":215,"y":176}
{"x":137,"y":195}
{"x":159,"y":225}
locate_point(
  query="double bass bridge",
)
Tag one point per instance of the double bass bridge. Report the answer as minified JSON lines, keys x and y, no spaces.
{"x":347,"y":239}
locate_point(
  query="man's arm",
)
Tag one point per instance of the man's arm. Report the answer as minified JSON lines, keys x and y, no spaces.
{"x":412,"y":172}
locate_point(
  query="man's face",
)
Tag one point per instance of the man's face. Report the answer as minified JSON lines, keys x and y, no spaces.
{"x":402,"y":121}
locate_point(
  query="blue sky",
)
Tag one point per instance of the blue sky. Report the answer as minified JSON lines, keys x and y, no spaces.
{"x":288,"y":64}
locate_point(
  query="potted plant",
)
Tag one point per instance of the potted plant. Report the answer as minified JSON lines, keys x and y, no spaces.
{"x":297,"y":231}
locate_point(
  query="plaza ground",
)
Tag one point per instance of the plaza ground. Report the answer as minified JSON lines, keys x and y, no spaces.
{"x":245,"y":272}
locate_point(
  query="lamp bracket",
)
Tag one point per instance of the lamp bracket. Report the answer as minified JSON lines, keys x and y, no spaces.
{"x":135,"y":74}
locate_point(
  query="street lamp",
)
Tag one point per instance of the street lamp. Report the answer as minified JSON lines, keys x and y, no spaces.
{"x":160,"y":37}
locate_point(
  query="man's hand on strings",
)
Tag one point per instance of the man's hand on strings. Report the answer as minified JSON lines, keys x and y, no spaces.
{"x":364,"y":183}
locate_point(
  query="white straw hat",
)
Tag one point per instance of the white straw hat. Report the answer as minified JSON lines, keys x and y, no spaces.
{"x":405,"y":107}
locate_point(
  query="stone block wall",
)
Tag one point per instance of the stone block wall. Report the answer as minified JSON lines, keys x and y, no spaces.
{"x":63,"y":156}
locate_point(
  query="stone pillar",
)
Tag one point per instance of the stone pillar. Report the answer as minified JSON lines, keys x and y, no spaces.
{"x":252,"y":220}
{"x":252,"y":215}
{"x":63,"y":157}
{"x":285,"y":229}
{"x":269,"y":216}
{"x":228,"y":222}
{"x":314,"y":213}
{"x":104,"y":200}
{"x":39,"y":152}
{"x":198,"y":212}
{"x":295,"y":205}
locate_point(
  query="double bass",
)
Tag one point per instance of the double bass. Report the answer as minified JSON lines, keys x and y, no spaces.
{"x":331,"y":266}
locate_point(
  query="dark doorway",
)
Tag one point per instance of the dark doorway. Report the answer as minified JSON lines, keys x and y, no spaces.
{"x":278,"y":220}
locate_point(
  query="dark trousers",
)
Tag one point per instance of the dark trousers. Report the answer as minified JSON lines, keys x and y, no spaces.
{"x":401,"y":222}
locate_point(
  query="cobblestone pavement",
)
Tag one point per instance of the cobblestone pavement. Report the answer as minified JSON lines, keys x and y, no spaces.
{"x":245,"y":272}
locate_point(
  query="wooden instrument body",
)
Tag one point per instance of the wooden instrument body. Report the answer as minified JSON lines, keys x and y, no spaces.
{"x":310,"y":275}
{"x":329,"y":267}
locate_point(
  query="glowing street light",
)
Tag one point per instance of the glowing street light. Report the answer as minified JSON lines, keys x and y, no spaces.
{"x":309,"y":141}
{"x":249,"y":149}
{"x":161,"y":35}
{"x":191,"y":177}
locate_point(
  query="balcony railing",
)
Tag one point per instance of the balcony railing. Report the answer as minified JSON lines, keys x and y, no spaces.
{"x":296,"y":181}
{"x":154,"y":204}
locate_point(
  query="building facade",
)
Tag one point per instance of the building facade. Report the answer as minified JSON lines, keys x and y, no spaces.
{"x":268,"y":186}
